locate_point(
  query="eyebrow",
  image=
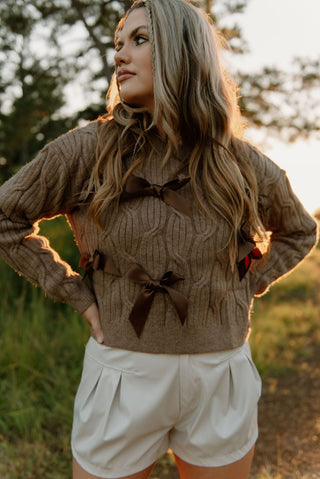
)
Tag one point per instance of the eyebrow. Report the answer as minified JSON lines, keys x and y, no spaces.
{"x":132,"y":34}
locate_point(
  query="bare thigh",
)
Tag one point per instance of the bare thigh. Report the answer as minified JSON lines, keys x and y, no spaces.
{"x":79,"y":473}
{"x":238,"y":470}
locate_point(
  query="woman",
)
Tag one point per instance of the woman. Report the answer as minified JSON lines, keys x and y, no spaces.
{"x":170,"y":210}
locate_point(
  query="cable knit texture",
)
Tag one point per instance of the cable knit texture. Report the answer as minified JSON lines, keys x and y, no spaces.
{"x":148,"y":232}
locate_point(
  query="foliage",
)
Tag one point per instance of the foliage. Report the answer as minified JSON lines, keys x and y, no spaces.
{"x":264,"y":94}
{"x":30,"y":89}
{"x":41,"y":352}
{"x":285,"y":322}
{"x":40,"y":363}
{"x":61,"y":239}
{"x":55,"y":51}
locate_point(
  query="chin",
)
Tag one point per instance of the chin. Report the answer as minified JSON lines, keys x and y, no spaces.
{"x":135,"y":104}
{"x":136,"y":101}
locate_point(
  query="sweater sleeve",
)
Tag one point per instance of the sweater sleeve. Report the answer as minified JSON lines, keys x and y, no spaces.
{"x":44,"y":188}
{"x":293,"y":232}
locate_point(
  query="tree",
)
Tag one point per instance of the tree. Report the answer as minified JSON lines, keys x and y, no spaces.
{"x":46,"y":45}
{"x":30,"y":90}
{"x":52,"y":48}
{"x":285,"y":103}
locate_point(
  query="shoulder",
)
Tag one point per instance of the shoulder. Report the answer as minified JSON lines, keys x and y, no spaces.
{"x":79,"y":141}
{"x":266,"y":171}
{"x":66,"y":161}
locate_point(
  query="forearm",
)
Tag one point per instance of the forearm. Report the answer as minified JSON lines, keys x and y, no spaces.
{"x":44,"y":188}
{"x":33,"y":258}
{"x":285,"y":254}
{"x":292,"y":231}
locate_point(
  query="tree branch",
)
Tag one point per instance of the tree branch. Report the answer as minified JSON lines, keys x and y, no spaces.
{"x":101,"y":47}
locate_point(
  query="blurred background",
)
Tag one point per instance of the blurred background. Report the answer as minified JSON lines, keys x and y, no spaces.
{"x":56,"y":60}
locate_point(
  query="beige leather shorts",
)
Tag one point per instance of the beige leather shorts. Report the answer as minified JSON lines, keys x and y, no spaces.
{"x":131,"y":407}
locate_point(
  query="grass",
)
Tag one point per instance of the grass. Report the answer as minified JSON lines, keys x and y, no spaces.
{"x":285,"y":322}
{"x":41,"y":352}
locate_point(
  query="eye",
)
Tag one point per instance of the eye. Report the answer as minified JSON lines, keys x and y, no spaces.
{"x":140,"y":39}
{"x":137,"y":40}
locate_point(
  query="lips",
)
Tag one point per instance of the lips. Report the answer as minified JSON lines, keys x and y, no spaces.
{"x":124,"y":75}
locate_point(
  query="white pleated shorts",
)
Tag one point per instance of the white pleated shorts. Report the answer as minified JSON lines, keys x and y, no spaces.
{"x":131,"y":407}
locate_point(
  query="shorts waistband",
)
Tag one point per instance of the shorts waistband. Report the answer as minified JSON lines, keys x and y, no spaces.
{"x":101,"y":353}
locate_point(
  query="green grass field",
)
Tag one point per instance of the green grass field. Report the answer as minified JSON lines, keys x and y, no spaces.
{"x":42,"y":345}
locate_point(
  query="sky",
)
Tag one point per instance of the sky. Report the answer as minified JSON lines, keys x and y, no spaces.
{"x":276,"y":32}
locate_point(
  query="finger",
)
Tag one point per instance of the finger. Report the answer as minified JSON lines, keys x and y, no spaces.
{"x":97,"y":330}
{"x":92,"y":317}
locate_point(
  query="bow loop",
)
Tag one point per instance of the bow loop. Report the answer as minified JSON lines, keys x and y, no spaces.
{"x":136,"y":186}
{"x":143,"y":303}
{"x":138,"y":274}
{"x":246,"y":253}
{"x":98,"y":261}
{"x":170,"y":278}
{"x":177,"y":183}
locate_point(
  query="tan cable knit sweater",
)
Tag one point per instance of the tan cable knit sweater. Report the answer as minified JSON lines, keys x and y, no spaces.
{"x":158,"y":237}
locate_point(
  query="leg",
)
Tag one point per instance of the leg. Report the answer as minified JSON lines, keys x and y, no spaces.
{"x":238,"y":470}
{"x":79,"y":473}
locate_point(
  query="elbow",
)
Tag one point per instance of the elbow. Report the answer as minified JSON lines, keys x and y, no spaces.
{"x":311,"y":235}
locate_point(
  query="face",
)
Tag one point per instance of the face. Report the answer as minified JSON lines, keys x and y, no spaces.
{"x":134,"y":61}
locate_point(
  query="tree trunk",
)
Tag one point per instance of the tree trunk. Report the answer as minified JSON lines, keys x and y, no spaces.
{"x":96,"y":41}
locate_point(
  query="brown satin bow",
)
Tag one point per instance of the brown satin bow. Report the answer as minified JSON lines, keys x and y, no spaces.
{"x":141,"y":308}
{"x":136,"y":186}
{"x":98,"y":261}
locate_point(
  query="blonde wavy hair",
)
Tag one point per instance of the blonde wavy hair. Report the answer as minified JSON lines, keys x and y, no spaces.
{"x":194,"y":96}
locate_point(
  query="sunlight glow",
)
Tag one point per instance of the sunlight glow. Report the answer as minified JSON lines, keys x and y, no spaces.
{"x":278,"y":31}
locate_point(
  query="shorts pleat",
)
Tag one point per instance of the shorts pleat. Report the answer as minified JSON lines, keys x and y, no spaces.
{"x":110,"y":406}
{"x":222,"y":427}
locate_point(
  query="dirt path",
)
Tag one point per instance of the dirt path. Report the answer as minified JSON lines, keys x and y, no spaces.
{"x":289,"y":420}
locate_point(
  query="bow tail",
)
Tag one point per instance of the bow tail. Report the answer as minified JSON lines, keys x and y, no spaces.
{"x":176,"y":201}
{"x":180,"y":303}
{"x":140,"y":310}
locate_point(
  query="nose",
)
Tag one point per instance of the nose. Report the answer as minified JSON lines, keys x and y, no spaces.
{"x":122,"y":56}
